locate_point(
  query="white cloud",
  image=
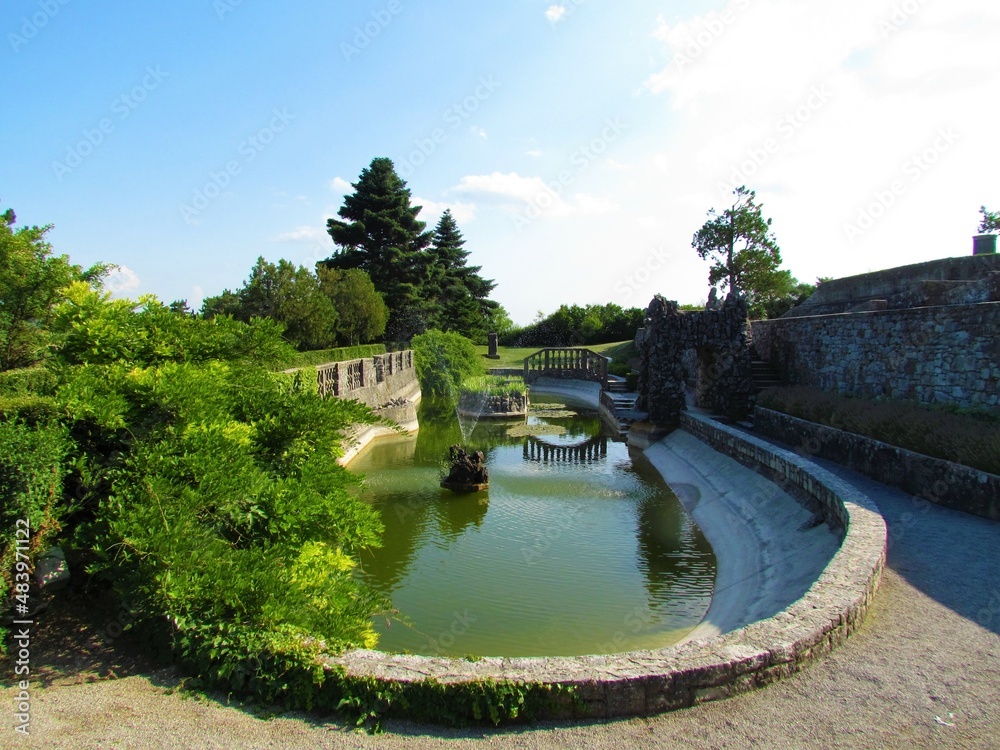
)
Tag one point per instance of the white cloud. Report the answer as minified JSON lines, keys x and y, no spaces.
{"x":555,"y":13}
{"x":512,"y":188}
{"x":819,"y":109}
{"x":432,"y":210}
{"x":303,"y":233}
{"x":121,"y":281}
{"x":340,"y":185}
{"x":533,"y":197}
{"x":478,"y":131}
{"x":591,"y":205}
{"x":535,"y":152}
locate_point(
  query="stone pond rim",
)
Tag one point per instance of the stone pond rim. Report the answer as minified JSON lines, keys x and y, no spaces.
{"x":648,"y":682}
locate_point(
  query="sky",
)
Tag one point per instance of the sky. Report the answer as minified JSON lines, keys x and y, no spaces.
{"x":578,"y":143}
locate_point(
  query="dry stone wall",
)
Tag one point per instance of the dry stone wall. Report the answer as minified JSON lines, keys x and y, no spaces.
{"x":934,"y":355}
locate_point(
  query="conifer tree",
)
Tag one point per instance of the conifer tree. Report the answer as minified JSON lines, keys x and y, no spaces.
{"x":379,"y":233}
{"x":459,"y":292}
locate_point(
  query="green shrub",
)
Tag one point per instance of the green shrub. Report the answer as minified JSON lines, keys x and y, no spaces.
{"x":29,"y":380}
{"x":620,"y":369}
{"x":972,"y":440}
{"x":31,"y":472}
{"x":443,"y":361}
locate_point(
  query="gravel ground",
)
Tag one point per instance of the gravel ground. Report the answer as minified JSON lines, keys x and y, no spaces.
{"x":927,"y":655}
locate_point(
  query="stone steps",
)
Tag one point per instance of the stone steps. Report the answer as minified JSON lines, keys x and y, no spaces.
{"x":764,"y":375}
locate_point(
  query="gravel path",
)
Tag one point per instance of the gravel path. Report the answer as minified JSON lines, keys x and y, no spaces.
{"x":929,"y":650}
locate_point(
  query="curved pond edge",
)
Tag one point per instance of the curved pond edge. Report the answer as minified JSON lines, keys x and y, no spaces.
{"x":694,"y":671}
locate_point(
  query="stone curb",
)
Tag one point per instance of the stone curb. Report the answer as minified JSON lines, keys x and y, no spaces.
{"x":648,"y":682}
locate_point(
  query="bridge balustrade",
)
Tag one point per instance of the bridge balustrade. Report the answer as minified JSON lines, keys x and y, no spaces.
{"x":566,"y":362}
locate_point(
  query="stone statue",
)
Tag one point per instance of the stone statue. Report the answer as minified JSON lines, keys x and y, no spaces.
{"x":714,"y":303}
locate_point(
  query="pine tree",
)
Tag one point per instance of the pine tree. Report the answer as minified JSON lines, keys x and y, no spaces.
{"x":380,"y":234}
{"x":458,"y":291}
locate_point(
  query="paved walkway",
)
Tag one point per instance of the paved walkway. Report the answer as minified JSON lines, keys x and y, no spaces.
{"x":927,"y":656}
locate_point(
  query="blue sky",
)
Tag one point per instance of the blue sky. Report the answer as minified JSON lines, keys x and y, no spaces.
{"x":579,"y":143}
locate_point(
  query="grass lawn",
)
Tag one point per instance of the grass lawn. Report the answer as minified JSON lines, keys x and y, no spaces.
{"x":515,"y":356}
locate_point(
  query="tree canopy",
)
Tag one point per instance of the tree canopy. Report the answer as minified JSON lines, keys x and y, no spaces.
{"x":744,"y":253}
{"x":423,"y":276}
{"x":32,"y":281}
{"x":458,"y":294}
{"x":379,"y":233}
{"x":990,"y":221}
{"x":361,"y":312}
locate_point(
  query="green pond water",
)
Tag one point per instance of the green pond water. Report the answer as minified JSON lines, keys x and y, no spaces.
{"x":578,"y":547}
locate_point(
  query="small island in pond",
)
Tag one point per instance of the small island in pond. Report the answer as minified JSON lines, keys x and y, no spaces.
{"x":468,"y":471}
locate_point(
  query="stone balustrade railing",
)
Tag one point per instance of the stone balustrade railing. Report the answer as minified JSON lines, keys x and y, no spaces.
{"x":566,"y":362}
{"x":340,"y":379}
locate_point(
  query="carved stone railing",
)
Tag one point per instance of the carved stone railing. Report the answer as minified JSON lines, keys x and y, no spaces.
{"x":340,"y":379}
{"x":566,"y":362}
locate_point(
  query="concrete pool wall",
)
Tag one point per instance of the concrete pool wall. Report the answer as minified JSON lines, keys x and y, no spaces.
{"x":787,"y":592}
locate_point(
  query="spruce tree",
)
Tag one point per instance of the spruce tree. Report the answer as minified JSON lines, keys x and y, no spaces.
{"x":379,"y":233}
{"x":458,"y":291}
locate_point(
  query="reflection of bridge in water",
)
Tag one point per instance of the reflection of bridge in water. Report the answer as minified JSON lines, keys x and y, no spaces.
{"x":594,"y":449}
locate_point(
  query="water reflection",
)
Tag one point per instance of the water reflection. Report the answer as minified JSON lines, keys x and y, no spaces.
{"x":577,"y":547}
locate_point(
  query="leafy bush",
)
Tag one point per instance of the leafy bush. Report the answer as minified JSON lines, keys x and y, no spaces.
{"x":29,"y":380}
{"x":972,"y":440}
{"x":443,"y":361}
{"x":31,"y":474}
{"x":94,"y":329}
{"x":228,"y":507}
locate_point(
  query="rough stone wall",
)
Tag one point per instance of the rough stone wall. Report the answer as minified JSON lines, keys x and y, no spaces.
{"x":841,"y":295}
{"x":934,"y":355}
{"x":720,"y":339}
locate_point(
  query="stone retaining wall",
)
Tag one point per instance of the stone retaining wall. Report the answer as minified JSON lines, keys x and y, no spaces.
{"x":942,"y":482}
{"x":934,"y":355}
{"x":647,"y":682}
{"x":840,"y":295}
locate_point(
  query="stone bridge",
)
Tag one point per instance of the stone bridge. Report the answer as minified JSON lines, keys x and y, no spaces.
{"x":566,"y":362}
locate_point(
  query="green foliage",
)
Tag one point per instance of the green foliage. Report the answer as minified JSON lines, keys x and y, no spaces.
{"x":28,"y":380}
{"x":443,"y":361}
{"x":94,"y":329}
{"x":457,"y":294}
{"x":286,"y":294}
{"x":226,"y":504}
{"x":362,"y":313}
{"x":454,"y":704}
{"x":972,"y":440}
{"x":340,"y":354}
{"x":31,"y":283}
{"x":989,"y":222}
{"x":789,"y":293}
{"x":31,"y":473}
{"x":494,"y":385}
{"x":378,"y":232}
{"x":572,"y":325}
{"x":744,"y":254}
